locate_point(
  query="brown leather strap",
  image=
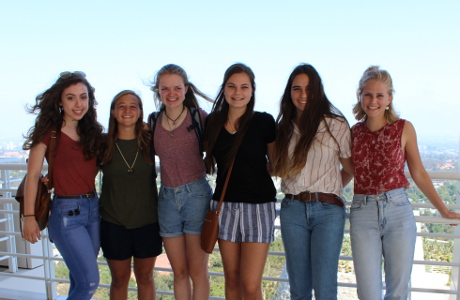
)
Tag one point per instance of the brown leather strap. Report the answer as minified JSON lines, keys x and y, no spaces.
{"x":50,"y":183}
{"x":311,"y":197}
{"x":224,"y":189}
{"x":87,"y":195}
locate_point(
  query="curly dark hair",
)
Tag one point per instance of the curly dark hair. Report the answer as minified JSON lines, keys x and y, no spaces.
{"x":50,"y":115}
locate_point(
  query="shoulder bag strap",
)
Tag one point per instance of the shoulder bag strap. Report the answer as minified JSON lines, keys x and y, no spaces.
{"x":224,"y":189}
{"x":51,"y":161}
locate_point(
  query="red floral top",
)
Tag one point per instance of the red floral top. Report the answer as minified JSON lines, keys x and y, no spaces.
{"x":378,"y":158}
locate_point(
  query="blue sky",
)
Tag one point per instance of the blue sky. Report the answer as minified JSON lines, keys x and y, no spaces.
{"x":121,"y":44}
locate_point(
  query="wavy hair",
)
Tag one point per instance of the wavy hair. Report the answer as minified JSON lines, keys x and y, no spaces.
{"x":50,"y":115}
{"x":318,"y":107}
{"x":190,"y":98}
{"x":375,"y":73}
{"x":219,"y":116}
{"x":143,"y":135}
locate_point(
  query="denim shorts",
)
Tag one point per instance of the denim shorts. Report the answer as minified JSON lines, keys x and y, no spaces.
{"x":241,"y":222}
{"x":182,"y":209}
{"x":119,"y":243}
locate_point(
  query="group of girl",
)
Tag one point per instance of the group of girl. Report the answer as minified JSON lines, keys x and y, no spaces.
{"x":310,"y":147}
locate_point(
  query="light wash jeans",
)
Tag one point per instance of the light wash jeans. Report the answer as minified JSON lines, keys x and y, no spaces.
{"x":74,"y":228}
{"x":312,"y":236}
{"x":382,"y":225}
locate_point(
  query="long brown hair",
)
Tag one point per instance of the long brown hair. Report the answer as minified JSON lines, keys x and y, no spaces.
{"x":318,"y":107}
{"x":50,"y":115}
{"x":219,"y":115}
{"x":143,"y":135}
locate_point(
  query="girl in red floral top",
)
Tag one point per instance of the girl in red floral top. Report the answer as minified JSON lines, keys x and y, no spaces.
{"x":382,"y":221}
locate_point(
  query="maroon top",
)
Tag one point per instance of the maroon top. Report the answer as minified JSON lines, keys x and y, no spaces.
{"x":73,"y":174}
{"x":378,"y":158}
{"x":180,"y":160}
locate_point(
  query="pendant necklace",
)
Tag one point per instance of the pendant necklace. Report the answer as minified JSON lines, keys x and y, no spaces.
{"x":171,"y":133}
{"x":232,"y":128}
{"x":130,"y":168}
{"x":175,"y":120}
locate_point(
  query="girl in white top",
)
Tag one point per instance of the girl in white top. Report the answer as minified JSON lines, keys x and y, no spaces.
{"x":313,"y":139}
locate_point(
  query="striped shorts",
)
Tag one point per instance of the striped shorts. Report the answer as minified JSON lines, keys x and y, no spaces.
{"x":246,"y":222}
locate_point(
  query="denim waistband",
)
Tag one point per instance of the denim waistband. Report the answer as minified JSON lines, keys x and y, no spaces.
{"x":187,"y":186}
{"x":380,"y":197}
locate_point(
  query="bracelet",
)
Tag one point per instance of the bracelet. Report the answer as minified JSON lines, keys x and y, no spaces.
{"x":24,"y":216}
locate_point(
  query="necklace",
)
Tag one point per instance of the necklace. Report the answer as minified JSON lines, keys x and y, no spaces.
{"x":171,"y":133}
{"x":130,"y":168}
{"x":175,"y":120}
{"x":232,"y":128}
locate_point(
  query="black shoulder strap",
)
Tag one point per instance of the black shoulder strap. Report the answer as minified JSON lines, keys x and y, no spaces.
{"x":152,"y":122}
{"x":197,"y":125}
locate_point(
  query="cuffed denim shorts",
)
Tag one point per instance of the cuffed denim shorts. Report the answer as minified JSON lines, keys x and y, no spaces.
{"x":182,"y":209}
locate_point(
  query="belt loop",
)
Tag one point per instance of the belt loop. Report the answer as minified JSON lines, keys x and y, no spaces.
{"x":316,"y":197}
{"x":365,"y":199}
{"x":387,"y":197}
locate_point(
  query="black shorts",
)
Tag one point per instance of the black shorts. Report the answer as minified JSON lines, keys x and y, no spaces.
{"x":119,"y":243}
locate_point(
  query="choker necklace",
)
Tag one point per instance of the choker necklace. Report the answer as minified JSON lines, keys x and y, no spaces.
{"x":175,"y":120}
{"x":130,"y":168}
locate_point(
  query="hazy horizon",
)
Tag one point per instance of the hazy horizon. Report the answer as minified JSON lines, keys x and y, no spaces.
{"x":120,"y":45}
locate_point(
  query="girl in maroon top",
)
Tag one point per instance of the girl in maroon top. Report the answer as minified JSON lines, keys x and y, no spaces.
{"x":69,"y":106}
{"x":185,"y":193}
{"x":382,"y":221}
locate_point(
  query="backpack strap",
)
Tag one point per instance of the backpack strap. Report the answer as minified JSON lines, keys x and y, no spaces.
{"x":197,"y":126}
{"x":152,"y":122}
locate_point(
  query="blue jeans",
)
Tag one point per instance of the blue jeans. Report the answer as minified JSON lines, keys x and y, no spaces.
{"x":382,"y":225}
{"x":74,"y":228}
{"x":182,"y":209}
{"x":312,"y":235}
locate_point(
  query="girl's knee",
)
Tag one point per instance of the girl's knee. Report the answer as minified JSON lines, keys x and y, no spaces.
{"x":120,"y":280}
{"x":146,"y":279}
{"x":252,"y":291}
{"x":181,"y":275}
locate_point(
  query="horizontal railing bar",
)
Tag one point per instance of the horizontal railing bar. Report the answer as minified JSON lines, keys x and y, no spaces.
{"x":419,"y":219}
{"x":341,"y":284}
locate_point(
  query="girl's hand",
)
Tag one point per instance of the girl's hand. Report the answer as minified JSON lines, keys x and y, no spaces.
{"x":30,"y":230}
{"x":450,"y":215}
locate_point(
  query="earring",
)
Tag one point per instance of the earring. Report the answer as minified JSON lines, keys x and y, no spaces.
{"x":387,"y":108}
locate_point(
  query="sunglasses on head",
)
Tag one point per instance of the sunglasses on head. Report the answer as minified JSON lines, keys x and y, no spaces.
{"x":67,"y":74}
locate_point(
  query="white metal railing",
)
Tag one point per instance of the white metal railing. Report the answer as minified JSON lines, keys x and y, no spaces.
{"x":11,"y":234}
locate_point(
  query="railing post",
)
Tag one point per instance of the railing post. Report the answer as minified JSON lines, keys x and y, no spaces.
{"x":9,"y":224}
{"x":48,"y":265}
{"x":455,"y":277}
